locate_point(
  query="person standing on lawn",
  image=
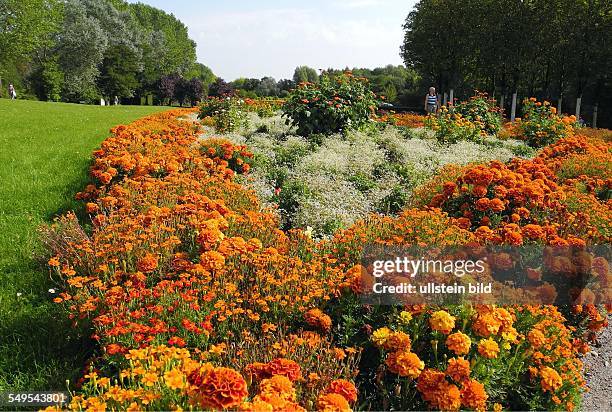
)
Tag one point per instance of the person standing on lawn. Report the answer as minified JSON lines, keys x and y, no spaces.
{"x":12,"y":92}
{"x":431,"y":101}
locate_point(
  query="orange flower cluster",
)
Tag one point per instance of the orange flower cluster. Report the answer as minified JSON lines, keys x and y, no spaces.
{"x":181,"y":256}
{"x":410,"y":120}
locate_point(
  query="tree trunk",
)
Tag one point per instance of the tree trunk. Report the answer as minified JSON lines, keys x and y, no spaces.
{"x":559,"y":103}
{"x":451,"y":97}
{"x":445,"y":99}
{"x":513,"y":109}
{"x":595,"y":115}
{"x":578,"y":102}
{"x":502,"y":99}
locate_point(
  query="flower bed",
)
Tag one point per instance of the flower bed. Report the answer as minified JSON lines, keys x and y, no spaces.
{"x":198,"y":299}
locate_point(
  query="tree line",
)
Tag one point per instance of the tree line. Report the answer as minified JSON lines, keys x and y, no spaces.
{"x":552,"y":49}
{"x":397,"y":83}
{"x":84,"y":50}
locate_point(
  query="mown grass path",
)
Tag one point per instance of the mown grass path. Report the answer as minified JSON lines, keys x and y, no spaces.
{"x":45,"y":151}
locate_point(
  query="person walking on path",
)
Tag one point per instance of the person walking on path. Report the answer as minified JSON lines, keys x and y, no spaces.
{"x":12,"y":92}
{"x":431,"y":101}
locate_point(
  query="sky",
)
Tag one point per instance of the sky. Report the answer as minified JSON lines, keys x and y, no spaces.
{"x":257,"y":38}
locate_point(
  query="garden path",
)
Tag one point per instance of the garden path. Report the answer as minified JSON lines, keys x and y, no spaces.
{"x":598,"y":373}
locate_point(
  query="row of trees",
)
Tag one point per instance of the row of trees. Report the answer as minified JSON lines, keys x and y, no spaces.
{"x":546,"y":48}
{"x":396,"y":83}
{"x":81,"y":50}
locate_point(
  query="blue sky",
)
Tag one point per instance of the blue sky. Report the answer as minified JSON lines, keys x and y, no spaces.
{"x":241,"y":38}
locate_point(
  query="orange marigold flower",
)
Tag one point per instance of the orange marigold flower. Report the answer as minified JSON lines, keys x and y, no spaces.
{"x":447,"y":398}
{"x":488,"y":348}
{"x":257,"y":370}
{"x":317,"y":319}
{"x":536,"y":338}
{"x":344,"y":388}
{"x":91,"y":208}
{"x":479,"y":191}
{"x":212,"y":260}
{"x":54,"y":262}
{"x":473,"y":395}
{"x":533,"y":232}
{"x":483,"y":204}
{"x":219,"y":388}
{"x":550,"y":379}
{"x":442,"y":321}
{"x":332,"y":402}
{"x":257,"y":405}
{"x":459,"y":343}
{"x":285,"y":367}
{"x":497,"y":205}
{"x":148,"y":263}
{"x":405,"y":363}
{"x":458,"y":369}
{"x":279,"y":385}
{"x":397,"y":341}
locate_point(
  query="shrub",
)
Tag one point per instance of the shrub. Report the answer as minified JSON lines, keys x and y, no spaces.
{"x":540,"y":125}
{"x":330,"y":106}
{"x":482,"y":111}
{"x":227,"y":113}
{"x":451,"y":127}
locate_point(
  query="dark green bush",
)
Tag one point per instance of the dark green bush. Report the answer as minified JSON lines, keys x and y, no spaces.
{"x":333,"y":105}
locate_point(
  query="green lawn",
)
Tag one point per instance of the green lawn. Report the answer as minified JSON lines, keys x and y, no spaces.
{"x":45,"y":151}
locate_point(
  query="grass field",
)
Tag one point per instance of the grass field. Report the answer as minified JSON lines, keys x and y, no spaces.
{"x":44,"y":156}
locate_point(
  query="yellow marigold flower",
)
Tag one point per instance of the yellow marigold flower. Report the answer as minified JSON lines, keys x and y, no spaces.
{"x":380,"y":336}
{"x":442,"y":321}
{"x":405,"y":317}
{"x":459,"y":343}
{"x":488,"y":348}
{"x":550,"y":379}
{"x":174,"y":379}
{"x":149,"y":379}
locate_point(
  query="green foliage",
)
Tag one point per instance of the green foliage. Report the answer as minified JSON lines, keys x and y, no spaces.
{"x":451,"y":127}
{"x":334,"y":104}
{"x":543,"y":48}
{"x":304,"y":74}
{"x":395,"y":83}
{"x":228,"y":114}
{"x":53,"y":80}
{"x":119,"y":71}
{"x":482,"y":111}
{"x":540,"y":125}
{"x":100,"y":48}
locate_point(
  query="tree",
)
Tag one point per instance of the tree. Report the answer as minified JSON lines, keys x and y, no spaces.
{"x":267,"y":87}
{"x":305,"y":74}
{"x":25,"y":27}
{"x":81,"y":50}
{"x":119,"y":70}
{"x":195,"y":90}
{"x":220,"y":88}
{"x":167,"y":86}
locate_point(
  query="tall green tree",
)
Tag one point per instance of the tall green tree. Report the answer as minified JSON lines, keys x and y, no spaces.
{"x":305,"y":74}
